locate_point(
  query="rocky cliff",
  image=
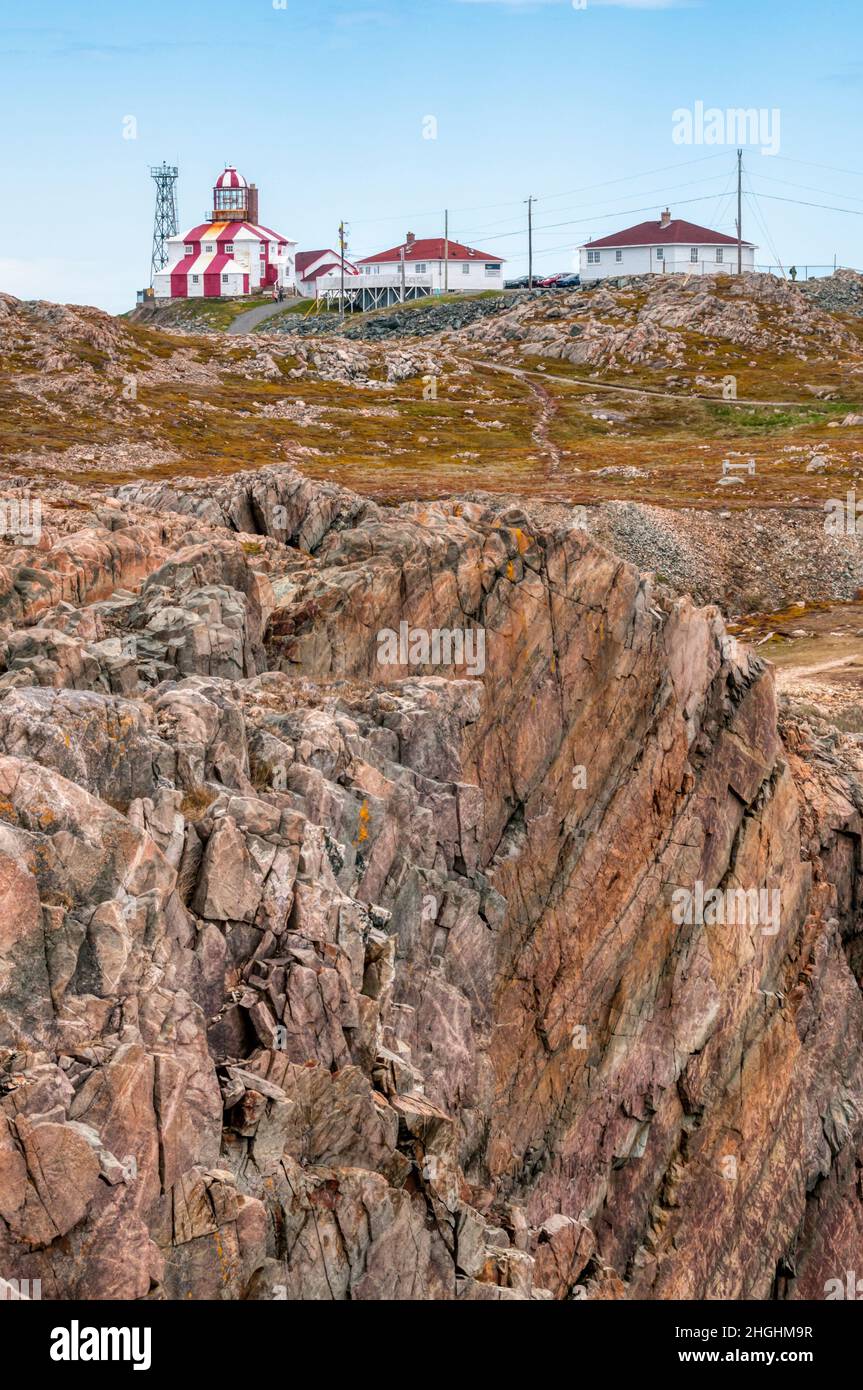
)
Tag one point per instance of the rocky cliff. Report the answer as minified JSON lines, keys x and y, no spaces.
{"x":352,"y":866}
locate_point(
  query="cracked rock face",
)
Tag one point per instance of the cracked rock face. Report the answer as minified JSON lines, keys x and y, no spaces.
{"x":330,"y":975}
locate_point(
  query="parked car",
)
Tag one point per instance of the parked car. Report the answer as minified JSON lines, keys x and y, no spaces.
{"x":550,"y":281}
{"x":520,"y":284}
{"x":568,"y":282}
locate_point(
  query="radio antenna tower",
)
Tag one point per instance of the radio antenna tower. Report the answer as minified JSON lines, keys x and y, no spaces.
{"x":165,"y":224}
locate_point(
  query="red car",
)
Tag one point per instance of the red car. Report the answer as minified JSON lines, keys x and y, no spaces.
{"x":549,"y":281}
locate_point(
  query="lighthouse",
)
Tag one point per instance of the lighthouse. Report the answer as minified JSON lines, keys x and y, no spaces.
{"x":229,"y":255}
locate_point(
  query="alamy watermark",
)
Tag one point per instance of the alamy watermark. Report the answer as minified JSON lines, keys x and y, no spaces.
{"x":851,"y":1287}
{"x":437,"y":646}
{"x":20,"y":1290}
{"x":77,"y":1343}
{"x":717,"y":907}
{"x":843,"y":517}
{"x":21,"y":519}
{"x":736,"y":125}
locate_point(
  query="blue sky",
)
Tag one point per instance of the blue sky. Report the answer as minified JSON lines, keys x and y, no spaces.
{"x":324,"y":104}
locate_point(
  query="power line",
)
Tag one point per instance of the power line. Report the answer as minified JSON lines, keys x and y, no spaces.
{"x":825,"y":207}
{"x":627,"y":212}
{"x":752,"y":201}
{"x":628,"y":178}
{"x":516,"y":202}
{"x":596,"y":216}
{"x":722,"y":203}
{"x":809,"y":188}
{"x":649,"y":193}
{"x":811,"y":164}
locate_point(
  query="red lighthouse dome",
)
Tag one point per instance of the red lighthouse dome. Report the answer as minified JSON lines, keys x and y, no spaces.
{"x":229,"y":178}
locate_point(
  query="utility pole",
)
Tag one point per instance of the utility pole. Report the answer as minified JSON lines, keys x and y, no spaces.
{"x":739,"y":212}
{"x":446,"y":251}
{"x":530,"y":203}
{"x":342,"y":256}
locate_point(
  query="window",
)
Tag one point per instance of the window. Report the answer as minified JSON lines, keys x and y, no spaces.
{"x":224,"y":279}
{"x":195,"y":279}
{"x":660,"y":254}
{"x":209,"y":248}
{"x":593,"y":257}
{"x":420,"y":267}
{"x":465,"y":270}
{"x":693,"y":254}
{"x":719,"y":254}
{"x":229,"y":248}
{"x":618,"y":256}
{"x":188,"y":250}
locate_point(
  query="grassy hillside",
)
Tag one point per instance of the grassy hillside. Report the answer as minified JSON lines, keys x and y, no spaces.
{"x":86,"y":396}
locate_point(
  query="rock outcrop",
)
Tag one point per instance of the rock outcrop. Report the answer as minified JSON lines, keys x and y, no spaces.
{"x":342,"y":855}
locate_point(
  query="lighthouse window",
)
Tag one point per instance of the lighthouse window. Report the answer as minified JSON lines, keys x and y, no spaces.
{"x":195,"y":279}
{"x":189,"y":250}
{"x":209,"y":248}
{"x":229,"y":248}
{"x":224,"y":279}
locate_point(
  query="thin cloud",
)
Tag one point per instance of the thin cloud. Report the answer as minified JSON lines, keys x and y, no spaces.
{"x":848,"y":77}
{"x":591,"y":4}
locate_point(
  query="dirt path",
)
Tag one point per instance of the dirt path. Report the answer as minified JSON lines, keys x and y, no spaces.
{"x":816,"y":653}
{"x":790,"y":675}
{"x":540,"y":434}
{"x":625,"y":390}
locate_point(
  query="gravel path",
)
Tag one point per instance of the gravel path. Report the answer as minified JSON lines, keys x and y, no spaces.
{"x":244,"y":323}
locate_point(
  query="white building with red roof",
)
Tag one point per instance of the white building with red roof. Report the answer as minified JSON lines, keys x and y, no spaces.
{"x":231,"y":253}
{"x":664,"y":247}
{"x":319,"y":271}
{"x":435,"y":263}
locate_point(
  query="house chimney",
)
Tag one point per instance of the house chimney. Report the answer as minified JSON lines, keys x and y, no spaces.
{"x":665,"y":218}
{"x":253,"y":203}
{"x":410,"y":239}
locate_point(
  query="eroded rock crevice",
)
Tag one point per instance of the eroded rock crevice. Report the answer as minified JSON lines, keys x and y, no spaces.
{"x":326,"y":978}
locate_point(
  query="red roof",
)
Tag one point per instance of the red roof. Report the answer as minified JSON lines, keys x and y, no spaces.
{"x":204,"y":231}
{"x":327,"y":267}
{"x":306,"y":258}
{"x":674,"y":233}
{"x":230,"y":230}
{"x":431,"y":249}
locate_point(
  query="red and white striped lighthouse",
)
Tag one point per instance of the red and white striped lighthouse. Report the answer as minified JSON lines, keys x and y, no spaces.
{"x":231,"y":253}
